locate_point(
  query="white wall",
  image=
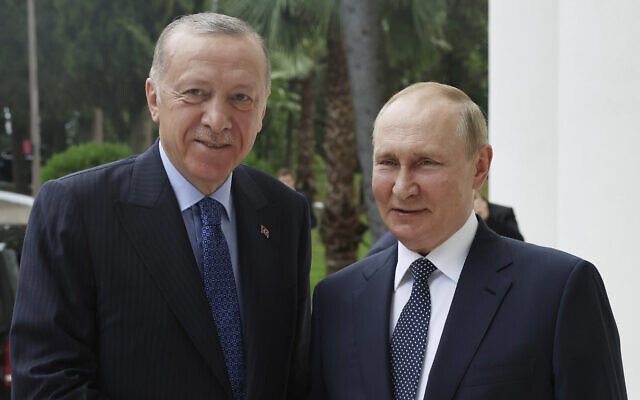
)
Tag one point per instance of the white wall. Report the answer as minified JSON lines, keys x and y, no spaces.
{"x":523,"y":112}
{"x":564,"y":106}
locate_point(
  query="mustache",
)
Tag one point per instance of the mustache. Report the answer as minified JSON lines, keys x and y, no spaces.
{"x":206,"y":134}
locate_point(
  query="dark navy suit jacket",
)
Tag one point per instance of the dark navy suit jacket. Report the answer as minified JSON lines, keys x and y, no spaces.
{"x":526,"y":322}
{"x":110,"y":302}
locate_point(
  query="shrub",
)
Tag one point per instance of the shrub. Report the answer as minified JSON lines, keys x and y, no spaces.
{"x":77,"y":158}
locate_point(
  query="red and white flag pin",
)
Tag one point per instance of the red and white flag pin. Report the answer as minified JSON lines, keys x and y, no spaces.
{"x":264,"y":231}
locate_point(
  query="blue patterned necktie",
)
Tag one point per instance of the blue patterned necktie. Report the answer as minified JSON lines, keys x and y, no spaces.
{"x":409,"y":338}
{"x":220,"y":287}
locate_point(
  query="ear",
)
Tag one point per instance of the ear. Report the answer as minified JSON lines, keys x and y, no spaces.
{"x":153,"y":99}
{"x":264,"y":111}
{"x":482,"y":165}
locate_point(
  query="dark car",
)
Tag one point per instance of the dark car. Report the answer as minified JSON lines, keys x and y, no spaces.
{"x":11,"y":238}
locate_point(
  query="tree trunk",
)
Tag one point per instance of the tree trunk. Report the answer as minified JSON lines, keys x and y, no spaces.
{"x":141,"y":131}
{"x":305,"y":179}
{"x":366,"y":61}
{"x":288,"y":155}
{"x":341,"y":228}
{"x":98,"y":125}
{"x":34,"y":98}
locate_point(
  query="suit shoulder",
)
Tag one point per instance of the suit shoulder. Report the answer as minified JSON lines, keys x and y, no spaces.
{"x":92,"y":189}
{"x":542,"y":261}
{"x":530,"y":249}
{"x":359,"y":271}
{"x":98,"y":176}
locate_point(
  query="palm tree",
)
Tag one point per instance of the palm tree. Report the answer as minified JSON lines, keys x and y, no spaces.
{"x":341,"y":228}
{"x":299,"y":70}
{"x":284,"y":23}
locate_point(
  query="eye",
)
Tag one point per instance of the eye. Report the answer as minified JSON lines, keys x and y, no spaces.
{"x":426,"y":162}
{"x":195,"y":92}
{"x":241,"y":101}
{"x":194,"y":95}
{"x":387,"y":162}
{"x":241,"y":97}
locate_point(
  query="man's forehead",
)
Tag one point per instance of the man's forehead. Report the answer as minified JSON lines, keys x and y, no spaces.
{"x":187,"y":45}
{"x":415,"y":143}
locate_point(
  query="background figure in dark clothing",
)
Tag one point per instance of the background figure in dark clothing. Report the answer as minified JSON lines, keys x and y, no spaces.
{"x":500,"y":219}
{"x":285,"y":176}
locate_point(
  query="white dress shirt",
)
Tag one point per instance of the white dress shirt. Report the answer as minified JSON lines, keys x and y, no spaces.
{"x":449,"y":258}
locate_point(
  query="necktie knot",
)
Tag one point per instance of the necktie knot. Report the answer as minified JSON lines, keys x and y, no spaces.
{"x":422,"y":269}
{"x":210,"y":211}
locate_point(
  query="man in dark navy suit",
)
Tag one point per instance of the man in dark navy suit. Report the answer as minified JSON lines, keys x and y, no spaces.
{"x":453,"y":310}
{"x":178,"y":273}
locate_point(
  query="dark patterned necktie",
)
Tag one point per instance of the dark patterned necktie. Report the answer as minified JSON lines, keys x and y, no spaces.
{"x":409,"y":338}
{"x":220,"y":287}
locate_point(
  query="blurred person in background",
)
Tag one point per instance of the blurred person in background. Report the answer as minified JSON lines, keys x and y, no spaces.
{"x":285,"y":176}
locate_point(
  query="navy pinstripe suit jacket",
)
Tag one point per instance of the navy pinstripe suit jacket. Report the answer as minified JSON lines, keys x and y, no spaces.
{"x":110,"y":302}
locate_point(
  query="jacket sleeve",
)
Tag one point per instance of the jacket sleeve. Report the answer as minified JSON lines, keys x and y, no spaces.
{"x":587,"y":362}
{"x":53,"y":332}
{"x":318,"y":388}
{"x":299,"y":369}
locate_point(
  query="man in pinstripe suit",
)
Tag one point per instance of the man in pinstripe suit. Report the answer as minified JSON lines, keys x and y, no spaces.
{"x":110,"y":301}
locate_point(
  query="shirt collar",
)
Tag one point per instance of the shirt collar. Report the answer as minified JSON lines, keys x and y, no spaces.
{"x":187,"y":194}
{"x":449,"y":257}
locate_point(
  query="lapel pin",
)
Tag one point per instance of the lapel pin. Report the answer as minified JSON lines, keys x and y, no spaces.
{"x":264,"y":231}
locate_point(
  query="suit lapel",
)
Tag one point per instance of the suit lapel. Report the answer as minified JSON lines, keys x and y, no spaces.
{"x":371,"y":311}
{"x":478,"y":296}
{"x":258,"y":228}
{"x":152,"y":219}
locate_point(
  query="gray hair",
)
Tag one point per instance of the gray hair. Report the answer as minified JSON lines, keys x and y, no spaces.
{"x":204,"y":23}
{"x":472,"y":125}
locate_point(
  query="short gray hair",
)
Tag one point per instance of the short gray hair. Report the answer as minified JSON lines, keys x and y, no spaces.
{"x":472,"y":125}
{"x":204,"y":23}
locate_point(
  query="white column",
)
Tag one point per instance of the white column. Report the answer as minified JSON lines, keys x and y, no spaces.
{"x":564,"y":104}
{"x":523,"y":113}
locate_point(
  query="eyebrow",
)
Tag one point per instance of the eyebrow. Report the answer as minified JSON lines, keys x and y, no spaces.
{"x":413,"y":155}
{"x":386,"y":154}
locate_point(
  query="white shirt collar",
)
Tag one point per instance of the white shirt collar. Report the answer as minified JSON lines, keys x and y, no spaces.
{"x":449,"y":257}
{"x":187,"y":194}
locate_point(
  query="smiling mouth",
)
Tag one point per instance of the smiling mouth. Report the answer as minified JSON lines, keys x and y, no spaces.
{"x":213,"y":145}
{"x":407,"y":212}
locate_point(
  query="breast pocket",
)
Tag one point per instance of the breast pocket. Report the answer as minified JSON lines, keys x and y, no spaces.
{"x":502,"y":382}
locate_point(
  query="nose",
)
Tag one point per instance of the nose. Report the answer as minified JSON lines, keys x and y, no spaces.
{"x":404,"y":186}
{"x":216,"y":114}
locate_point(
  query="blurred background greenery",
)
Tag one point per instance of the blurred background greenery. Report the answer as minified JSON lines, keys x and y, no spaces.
{"x":94,"y":56}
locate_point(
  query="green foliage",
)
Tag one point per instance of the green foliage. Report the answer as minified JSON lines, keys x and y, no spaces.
{"x":77,"y":158}
{"x":318,"y":267}
{"x":254,"y":161}
{"x":270,"y":142}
